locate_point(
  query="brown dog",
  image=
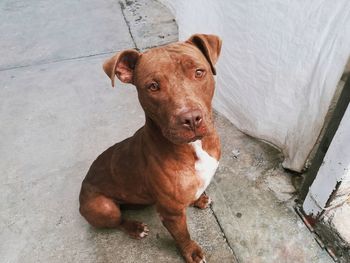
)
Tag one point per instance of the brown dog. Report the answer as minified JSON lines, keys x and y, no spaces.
{"x":170,"y":161}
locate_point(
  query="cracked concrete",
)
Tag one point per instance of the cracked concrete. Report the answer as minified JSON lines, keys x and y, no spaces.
{"x":150,"y":23}
{"x":58,"y":113}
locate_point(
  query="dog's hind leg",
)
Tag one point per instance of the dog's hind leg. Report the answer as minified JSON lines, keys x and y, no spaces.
{"x":102,"y":212}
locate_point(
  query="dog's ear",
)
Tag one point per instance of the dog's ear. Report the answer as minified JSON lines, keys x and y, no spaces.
{"x":122,"y":64}
{"x":209,"y":45}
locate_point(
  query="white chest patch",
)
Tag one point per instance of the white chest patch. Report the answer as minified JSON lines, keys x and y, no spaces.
{"x":205,"y":166}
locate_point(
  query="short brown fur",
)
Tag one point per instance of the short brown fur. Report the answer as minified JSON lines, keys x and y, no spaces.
{"x":156,"y":166}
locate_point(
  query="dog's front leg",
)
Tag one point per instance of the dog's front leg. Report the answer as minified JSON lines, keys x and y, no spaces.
{"x":175,"y":222}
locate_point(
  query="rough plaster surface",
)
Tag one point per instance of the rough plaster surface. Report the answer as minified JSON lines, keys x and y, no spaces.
{"x":340,"y":221}
{"x":330,"y":192}
{"x":333,"y":228}
{"x":334,"y":170}
{"x":279,"y":67}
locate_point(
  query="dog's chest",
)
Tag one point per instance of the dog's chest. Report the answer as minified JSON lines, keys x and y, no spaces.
{"x":205,"y":166}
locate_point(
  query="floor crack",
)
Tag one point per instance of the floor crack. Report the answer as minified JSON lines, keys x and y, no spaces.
{"x":122,"y":6}
{"x":224,"y":235}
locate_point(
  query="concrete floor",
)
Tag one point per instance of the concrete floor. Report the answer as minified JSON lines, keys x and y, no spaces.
{"x":58,"y":112}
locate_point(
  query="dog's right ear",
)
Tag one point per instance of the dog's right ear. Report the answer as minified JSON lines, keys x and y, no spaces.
{"x":122,"y":64}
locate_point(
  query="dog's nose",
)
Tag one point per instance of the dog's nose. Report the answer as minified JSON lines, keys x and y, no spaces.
{"x":191,"y":119}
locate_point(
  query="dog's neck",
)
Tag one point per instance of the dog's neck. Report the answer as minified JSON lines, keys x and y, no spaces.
{"x":155,"y":133}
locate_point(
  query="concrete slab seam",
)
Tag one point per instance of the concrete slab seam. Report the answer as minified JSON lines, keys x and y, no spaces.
{"x":223,"y":234}
{"x":58,"y":60}
{"x":122,"y":7}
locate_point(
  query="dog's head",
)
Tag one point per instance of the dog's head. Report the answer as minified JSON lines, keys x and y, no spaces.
{"x":175,"y":84}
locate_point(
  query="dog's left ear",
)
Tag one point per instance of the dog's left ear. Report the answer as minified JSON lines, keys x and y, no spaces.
{"x":122,"y":64}
{"x":209,"y":45}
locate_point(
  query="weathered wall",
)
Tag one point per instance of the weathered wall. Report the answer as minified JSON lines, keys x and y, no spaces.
{"x":328,"y":197}
{"x":280,"y":63}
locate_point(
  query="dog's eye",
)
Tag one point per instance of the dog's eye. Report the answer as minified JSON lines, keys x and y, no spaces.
{"x":199,"y":73}
{"x":154,"y":86}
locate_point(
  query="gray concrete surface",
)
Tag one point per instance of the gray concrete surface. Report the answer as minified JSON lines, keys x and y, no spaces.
{"x":58,"y":112}
{"x":254,"y":200}
{"x":41,"y":31}
{"x":151,"y":24}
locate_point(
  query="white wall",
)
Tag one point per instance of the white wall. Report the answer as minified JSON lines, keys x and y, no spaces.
{"x":334,"y":169}
{"x":280,"y":64}
{"x":333,"y":179}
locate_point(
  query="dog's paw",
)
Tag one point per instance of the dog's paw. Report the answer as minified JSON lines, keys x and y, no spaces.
{"x":136,"y":229}
{"x":203,"y":202}
{"x":143,"y":232}
{"x":140,"y":230}
{"x":193,"y":253}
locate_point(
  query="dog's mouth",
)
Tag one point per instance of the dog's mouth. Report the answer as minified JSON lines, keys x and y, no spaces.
{"x":195,"y":138}
{"x":183,"y":137}
{"x":181,"y":134}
